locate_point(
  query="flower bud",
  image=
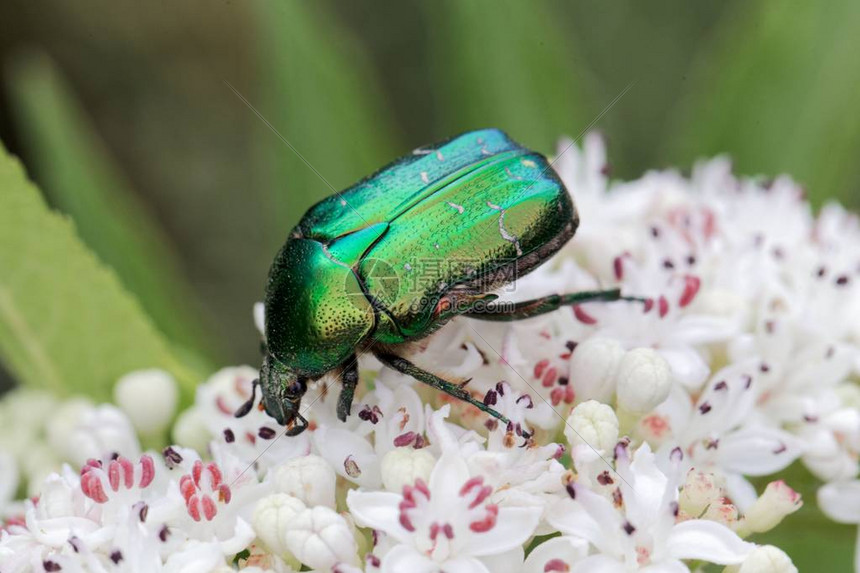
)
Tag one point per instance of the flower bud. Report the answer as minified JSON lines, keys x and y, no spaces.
{"x":320,"y":538}
{"x":700,"y":491}
{"x":593,"y":424}
{"x":190,"y":430}
{"x":765,"y":559}
{"x":593,"y":367}
{"x":644,"y":380}
{"x":40,"y":462}
{"x":272,"y":516}
{"x":777,"y":501}
{"x":260,"y":317}
{"x":148,"y":397}
{"x":402,"y":466}
{"x":80,"y":431}
{"x":309,"y":478}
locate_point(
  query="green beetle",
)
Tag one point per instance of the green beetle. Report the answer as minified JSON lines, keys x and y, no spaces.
{"x":394,"y":257}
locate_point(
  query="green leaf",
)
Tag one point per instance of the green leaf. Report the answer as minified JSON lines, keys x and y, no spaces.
{"x":66,"y":324}
{"x":507,"y":65}
{"x":777,"y":90}
{"x":80,"y":178}
{"x":321,"y":95}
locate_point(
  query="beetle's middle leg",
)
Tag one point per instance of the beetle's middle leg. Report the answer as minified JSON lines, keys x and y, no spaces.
{"x":349,"y":380}
{"x":529,"y":308}
{"x":406,"y":367}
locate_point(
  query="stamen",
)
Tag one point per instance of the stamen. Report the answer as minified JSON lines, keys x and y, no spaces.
{"x":583,"y":316}
{"x":692,"y":285}
{"x":147,"y":470}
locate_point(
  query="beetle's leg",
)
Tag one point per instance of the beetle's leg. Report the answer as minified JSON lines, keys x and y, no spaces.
{"x":528,"y":308}
{"x":246,"y":407}
{"x":349,"y":380}
{"x":406,"y":367}
{"x":299,"y":425}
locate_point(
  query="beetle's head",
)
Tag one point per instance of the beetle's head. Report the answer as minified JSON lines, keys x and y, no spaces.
{"x":282,"y":395}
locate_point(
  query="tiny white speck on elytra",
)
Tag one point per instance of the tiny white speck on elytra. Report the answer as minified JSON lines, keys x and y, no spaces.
{"x":424,"y":177}
{"x":407,"y":266}
{"x":459,"y":208}
{"x":511,"y":174}
{"x":343,"y":202}
{"x":529,"y":163}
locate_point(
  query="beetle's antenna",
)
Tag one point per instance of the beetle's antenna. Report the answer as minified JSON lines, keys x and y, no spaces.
{"x":246,"y":407}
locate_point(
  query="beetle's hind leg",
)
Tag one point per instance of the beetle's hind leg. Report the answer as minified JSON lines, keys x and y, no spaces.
{"x":506,"y":312}
{"x":349,"y":380}
{"x":406,"y":367}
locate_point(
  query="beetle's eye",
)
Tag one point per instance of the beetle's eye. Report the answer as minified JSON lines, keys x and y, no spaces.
{"x":295,"y":389}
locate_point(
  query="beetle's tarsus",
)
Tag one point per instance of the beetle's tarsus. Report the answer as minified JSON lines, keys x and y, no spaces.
{"x":349,"y":380}
{"x":298,"y":425}
{"x":246,"y":407}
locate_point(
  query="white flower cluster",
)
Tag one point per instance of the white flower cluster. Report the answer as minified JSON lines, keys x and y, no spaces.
{"x":634,"y":425}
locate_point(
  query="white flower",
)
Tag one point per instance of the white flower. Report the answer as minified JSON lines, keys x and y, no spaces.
{"x":644,"y":380}
{"x":321,"y":538}
{"x":777,"y":501}
{"x":593,"y":368}
{"x":556,"y":554}
{"x":738,"y":360}
{"x":394,"y":418}
{"x":404,"y":466}
{"x":308,"y":478}
{"x":644,"y":532}
{"x":446,"y":524}
{"x":592,"y":425}
{"x":700,"y":490}
{"x":841,"y":502}
{"x":260,"y":317}
{"x":765,"y":559}
{"x":719,"y":432}
{"x":80,"y":431}
{"x":272,"y":516}
{"x":148,"y":398}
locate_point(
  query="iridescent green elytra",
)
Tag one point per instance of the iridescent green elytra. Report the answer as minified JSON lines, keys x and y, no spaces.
{"x":395,"y":256}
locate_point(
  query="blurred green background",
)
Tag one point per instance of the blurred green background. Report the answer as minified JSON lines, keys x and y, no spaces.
{"x":122,"y":113}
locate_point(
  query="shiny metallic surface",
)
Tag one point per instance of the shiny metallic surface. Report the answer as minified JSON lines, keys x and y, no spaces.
{"x":424,"y":239}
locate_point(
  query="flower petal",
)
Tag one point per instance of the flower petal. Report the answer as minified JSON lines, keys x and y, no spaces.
{"x":707,"y":540}
{"x":513,"y":527}
{"x":590,"y":517}
{"x":351,"y":456}
{"x":510,"y":561}
{"x":757,"y":451}
{"x":599,"y":564}
{"x":566,"y":549}
{"x":406,"y":558}
{"x":377,"y":509}
{"x":449,"y":475}
{"x":841,"y":501}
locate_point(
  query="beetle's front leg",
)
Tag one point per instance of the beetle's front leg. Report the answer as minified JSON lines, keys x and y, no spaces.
{"x":526,"y":309}
{"x":406,"y":367}
{"x":349,"y":381}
